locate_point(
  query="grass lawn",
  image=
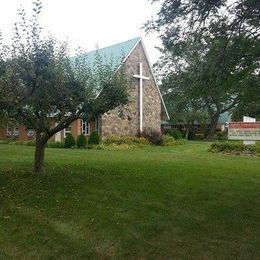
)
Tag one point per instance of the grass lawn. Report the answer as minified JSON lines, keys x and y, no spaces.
{"x":154,"y":203}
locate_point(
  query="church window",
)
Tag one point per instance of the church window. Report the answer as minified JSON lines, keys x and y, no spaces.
{"x":85,"y":127}
{"x":8,"y":130}
{"x":97,"y":124}
{"x":16,"y":130}
{"x":30,"y":132}
{"x":67,"y":130}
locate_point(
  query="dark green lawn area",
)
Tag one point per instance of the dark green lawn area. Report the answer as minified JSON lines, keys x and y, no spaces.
{"x":156,"y":203}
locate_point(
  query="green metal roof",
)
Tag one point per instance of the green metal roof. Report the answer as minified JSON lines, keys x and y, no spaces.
{"x":114,"y":54}
{"x":224,"y":118}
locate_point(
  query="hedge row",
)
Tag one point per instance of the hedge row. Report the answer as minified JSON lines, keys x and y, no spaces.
{"x":112,"y":142}
{"x":235,"y":148}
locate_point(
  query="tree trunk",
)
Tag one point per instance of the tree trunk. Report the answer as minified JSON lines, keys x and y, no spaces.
{"x":187,"y":133}
{"x":39,"y":155}
{"x":213,"y":125}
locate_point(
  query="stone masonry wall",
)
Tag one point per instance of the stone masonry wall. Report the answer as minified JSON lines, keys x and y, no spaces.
{"x":126,"y":121}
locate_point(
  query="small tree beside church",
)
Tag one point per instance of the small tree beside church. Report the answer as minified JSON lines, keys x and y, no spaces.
{"x":38,"y":80}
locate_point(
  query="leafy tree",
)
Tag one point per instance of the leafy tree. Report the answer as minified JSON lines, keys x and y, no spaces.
{"x":251,"y":109}
{"x":182,"y":106}
{"x":39,"y":80}
{"x":217,"y":44}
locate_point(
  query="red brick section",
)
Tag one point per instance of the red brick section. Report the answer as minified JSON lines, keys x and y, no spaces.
{"x":244,"y":125}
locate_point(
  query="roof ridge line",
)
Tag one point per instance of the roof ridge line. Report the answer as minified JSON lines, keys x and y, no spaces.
{"x":98,"y":49}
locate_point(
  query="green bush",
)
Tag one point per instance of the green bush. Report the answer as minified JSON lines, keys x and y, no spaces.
{"x":94,"y":138}
{"x":199,"y":136}
{"x":181,"y":141}
{"x":81,"y":141}
{"x":168,"y":140}
{"x":30,"y":143}
{"x":7,"y":141}
{"x":221,"y":135}
{"x":130,"y":140}
{"x":69,"y":141}
{"x":191,"y":135}
{"x":19,"y":142}
{"x":234,"y":148}
{"x":56,"y":145}
{"x":174,"y":133}
{"x":115,"y":147}
{"x":154,"y":137}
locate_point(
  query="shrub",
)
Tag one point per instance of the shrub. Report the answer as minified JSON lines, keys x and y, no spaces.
{"x":130,"y":140}
{"x":81,"y":141}
{"x":56,"y":145}
{"x":181,"y":141}
{"x":94,"y":138}
{"x":19,"y":142}
{"x":191,"y":135}
{"x":199,"y":136}
{"x":227,"y":147}
{"x":168,"y":140}
{"x":30,"y":143}
{"x":234,"y":147}
{"x":221,"y":135}
{"x":69,"y":141}
{"x":154,"y":137}
{"x":174,"y":133}
{"x":7,"y":141}
{"x":114,"y":147}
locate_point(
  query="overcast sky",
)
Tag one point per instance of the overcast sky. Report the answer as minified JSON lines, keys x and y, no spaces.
{"x":88,"y":23}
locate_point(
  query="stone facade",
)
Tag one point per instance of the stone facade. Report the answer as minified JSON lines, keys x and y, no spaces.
{"x":126,"y":121}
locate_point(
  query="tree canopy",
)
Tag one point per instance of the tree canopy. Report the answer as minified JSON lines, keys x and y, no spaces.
{"x":217,"y":45}
{"x":39,"y":80}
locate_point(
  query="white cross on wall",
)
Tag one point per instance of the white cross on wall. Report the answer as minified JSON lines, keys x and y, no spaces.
{"x":141,"y":77}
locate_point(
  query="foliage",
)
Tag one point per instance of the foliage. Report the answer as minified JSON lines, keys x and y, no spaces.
{"x":94,"y":138}
{"x":181,"y":141}
{"x":69,"y":141}
{"x":235,"y":148}
{"x":221,"y":135}
{"x":251,"y":109}
{"x":56,"y":144}
{"x":168,"y":140}
{"x":116,"y":147}
{"x":191,"y":135}
{"x":30,"y":143}
{"x":131,"y":140}
{"x":38,"y":78}
{"x":210,"y":53}
{"x":81,"y":141}
{"x":154,"y":137}
{"x":174,"y":133}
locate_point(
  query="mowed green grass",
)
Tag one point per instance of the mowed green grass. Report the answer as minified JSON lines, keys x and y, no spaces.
{"x":155,"y":203}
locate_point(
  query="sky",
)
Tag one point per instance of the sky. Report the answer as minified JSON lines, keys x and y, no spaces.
{"x":88,"y":23}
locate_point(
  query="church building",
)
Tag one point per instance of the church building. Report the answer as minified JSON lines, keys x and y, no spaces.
{"x":144,"y":111}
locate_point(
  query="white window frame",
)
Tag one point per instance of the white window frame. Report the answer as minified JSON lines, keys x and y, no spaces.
{"x":86,"y":125}
{"x":8,"y":130}
{"x":30,"y":132}
{"x":16,"y":130}
{"x":97,"y":124}
{"x":66,"y":131}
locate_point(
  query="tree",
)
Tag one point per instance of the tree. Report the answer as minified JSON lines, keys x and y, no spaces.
{"x":182,"y":107}
{"x":217,"y":43}
{"x":39,"y":80}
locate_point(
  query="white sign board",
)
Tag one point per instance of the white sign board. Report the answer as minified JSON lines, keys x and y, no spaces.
{"x":246,"y":131}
